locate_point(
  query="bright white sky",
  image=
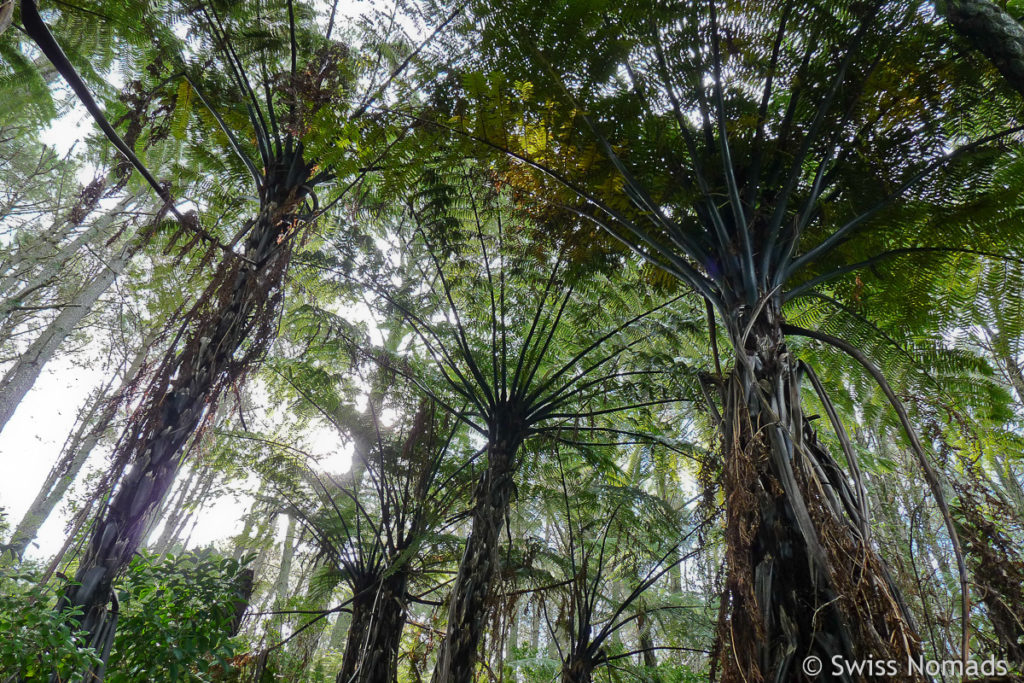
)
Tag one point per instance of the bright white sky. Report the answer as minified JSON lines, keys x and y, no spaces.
{"x":33,"y":438}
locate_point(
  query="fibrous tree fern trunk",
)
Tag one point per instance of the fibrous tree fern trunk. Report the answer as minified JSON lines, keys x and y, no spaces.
{"x":467,"y":612}
{"x":577,"y":670}
{"x":991,"y":30}
{"x":796,"y":531}
{"x":375,"y":631}
{"x":998,"y":570}
{"x":379,"y":575}
{"x":235,"y":317}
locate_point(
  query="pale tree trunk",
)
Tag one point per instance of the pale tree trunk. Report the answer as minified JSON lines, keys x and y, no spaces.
{"x":185,"y":506}
{"x":241,"y":542}
{"x":57,"y":262}
{"x":168,"y":514}
{"x":23,"y":375}
{"x":534,"y":627}
{"x":287,"y":553}
{"x":44,"y":246}
{"x":92,"y":425}
{"x":261,"y":564}
{"x":513,"y":629}
{"x":257,"y":520}
{"x":643,"y":629}
{"x":339,"y":632}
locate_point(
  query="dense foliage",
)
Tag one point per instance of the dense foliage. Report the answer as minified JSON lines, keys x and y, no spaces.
{"x":523,"y":341}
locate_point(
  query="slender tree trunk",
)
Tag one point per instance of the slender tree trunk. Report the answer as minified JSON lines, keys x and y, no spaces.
{"x":513,"y":628}
{"x":186,"y":507}
{"x":643,"y":631}
{"x":339,"y":632}
{"x":375,"y":632}
{"x":803,"y":580}
{"x":58,"y":261}
{"x":467,"y":613}
{"x":256,"y":519}
{"x":92,"y":426}
{"x":225,"y":335}
{"x":534,"y":628}
{"x":23,"y":375}
{"x":45,"y":248}
{"x":287,"y":553}
{"x":171,"y":512}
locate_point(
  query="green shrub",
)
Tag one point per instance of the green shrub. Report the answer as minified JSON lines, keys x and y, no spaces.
{"x":36,"y":640}
{"x":177,"y":615}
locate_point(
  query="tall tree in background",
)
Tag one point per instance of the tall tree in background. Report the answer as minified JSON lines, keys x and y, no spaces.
{"x":758,"y":155}
{"x":505,"y":336}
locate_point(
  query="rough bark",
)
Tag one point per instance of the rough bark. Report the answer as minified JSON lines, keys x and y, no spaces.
{"x":375,"y":631}
{"x":225,"y":334}
{"x":992,"y":31}
{"x":998,"y":571}
{"x":467,"y":613}
{"x":795,"y":533}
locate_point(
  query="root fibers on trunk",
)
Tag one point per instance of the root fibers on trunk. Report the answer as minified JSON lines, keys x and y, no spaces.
{"x":226,"y":331}
{"x":802,"y":578}
{"x":375,"y":632}
{"x":467,"y":614}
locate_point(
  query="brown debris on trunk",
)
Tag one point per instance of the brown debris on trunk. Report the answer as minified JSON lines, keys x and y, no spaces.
{"x":795,"y":541}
